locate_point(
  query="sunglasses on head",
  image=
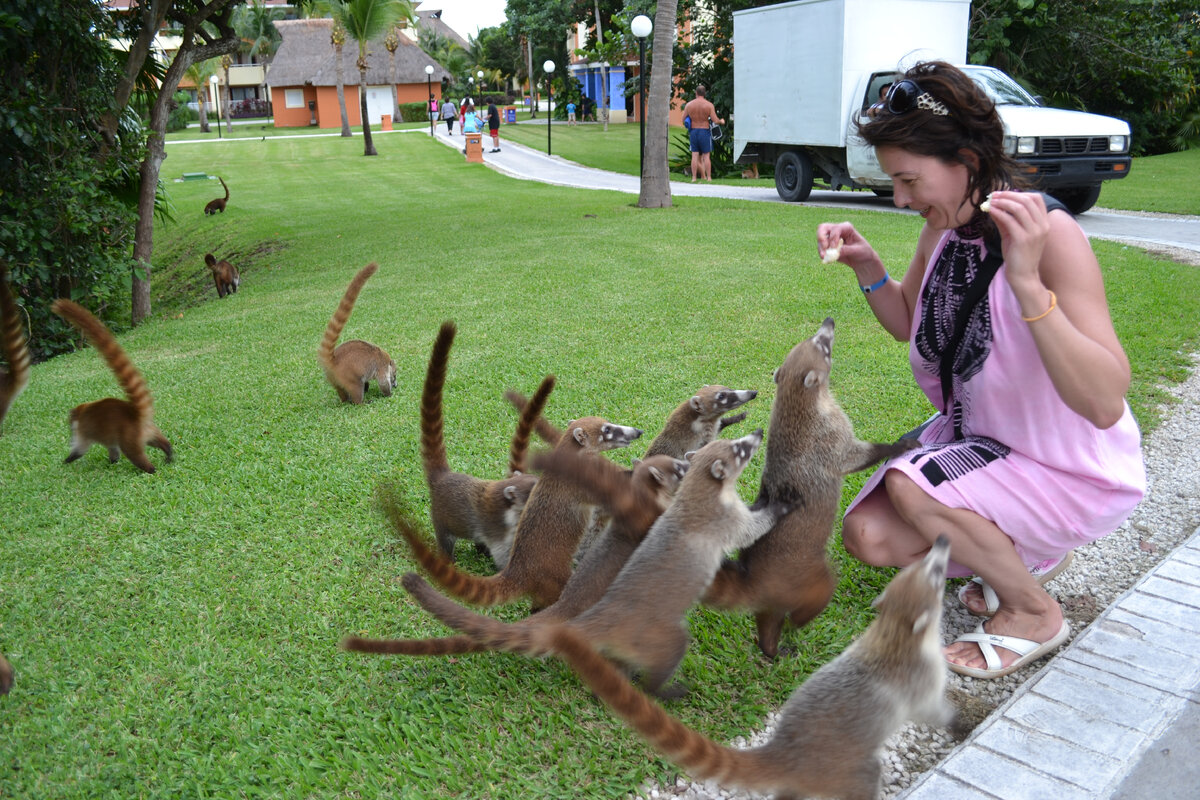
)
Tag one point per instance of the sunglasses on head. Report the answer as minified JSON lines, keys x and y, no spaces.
{"x":906,"y":95}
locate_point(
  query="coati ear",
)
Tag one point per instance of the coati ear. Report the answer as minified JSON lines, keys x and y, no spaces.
{"x":688,"y":456}
{"x":695,"y":403}
{"x":921,"y":622}
{"x":811,"y":379}
{"x":580,"y":436}
{"x":635,"y":462}
{"x":775,"y":375}
{"x":718,"y":469}
{"x":658,"y":477}
{"x":510,"y":494}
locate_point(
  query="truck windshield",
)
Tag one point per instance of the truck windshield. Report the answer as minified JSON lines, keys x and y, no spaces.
{"x":1003,"y":90}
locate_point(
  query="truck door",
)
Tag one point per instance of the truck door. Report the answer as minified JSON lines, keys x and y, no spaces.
{"x":860,"y":159}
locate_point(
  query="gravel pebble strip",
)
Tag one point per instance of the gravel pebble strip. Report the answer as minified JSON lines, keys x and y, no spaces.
{"x":1100,"y":573}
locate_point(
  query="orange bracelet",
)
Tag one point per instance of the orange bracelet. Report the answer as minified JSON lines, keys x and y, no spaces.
{"x":1053,"y":305}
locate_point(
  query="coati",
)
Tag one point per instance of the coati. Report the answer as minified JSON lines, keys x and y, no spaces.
{"x":12,"y":344}
{"x":6,"y":675}
{"x":225,"y":275}
{"x":218,"y":204}
{"x":640,"y":621}
{"x":122,"y":426}
{"x":555,"y":516}
{"x":831,"y":730}
{"x":635,"y":498}
{"x":463,"y":506}
{"x":352,"y":366}
{"x":694,"y":423}
{"x":786,"y":574}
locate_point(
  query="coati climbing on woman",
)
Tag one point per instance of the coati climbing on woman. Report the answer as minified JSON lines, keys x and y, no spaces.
{"x":831,"y":730}
{"x":225,"y":275}
{"x":352,"y":366}
{"x":12,"y":345}
{"x":812,"y":446}
{"x":554,"y":519}
{"x":635,"y":499}
{"x":122,"y":426}
{"x":213,"y":206}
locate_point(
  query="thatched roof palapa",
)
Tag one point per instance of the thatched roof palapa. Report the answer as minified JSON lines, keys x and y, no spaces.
{"x":305,"y":56}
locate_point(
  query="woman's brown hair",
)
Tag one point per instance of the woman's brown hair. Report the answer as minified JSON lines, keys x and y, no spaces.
{"x":970,"y":126}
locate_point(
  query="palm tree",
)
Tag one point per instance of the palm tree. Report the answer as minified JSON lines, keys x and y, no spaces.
{"x":362,"y":21}
{"x":199,"y":73}
{"x":255,"y":24}
{"x":338,"y":38}
{"x":656,"y":180}
{"x":226,"y":63}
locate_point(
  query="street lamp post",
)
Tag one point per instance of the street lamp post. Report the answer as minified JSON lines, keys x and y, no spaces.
{"x":548,"y":67}
{"x":216,"y":103}
{"x":429,"y":88}
{"x":641,"y":28}
{"x":479,"y":83}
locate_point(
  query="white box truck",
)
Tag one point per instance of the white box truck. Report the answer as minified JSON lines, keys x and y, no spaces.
{"x":805,"y":72}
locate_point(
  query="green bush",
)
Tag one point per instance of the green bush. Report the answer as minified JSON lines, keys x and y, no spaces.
{"x":414,"y":112}
{"x":180,"y":114}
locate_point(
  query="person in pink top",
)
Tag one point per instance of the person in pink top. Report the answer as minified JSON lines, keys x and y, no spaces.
{"x":1034,"y":451}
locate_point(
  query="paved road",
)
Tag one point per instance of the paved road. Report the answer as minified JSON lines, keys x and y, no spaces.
{"x":528,"y":164}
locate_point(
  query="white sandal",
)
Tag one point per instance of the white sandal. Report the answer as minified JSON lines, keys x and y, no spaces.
{"x":1027,"y":651}
{"x":1043,"y":573}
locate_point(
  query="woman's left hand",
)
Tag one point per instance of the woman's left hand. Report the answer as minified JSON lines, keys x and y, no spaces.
{"x":1024,"y":224}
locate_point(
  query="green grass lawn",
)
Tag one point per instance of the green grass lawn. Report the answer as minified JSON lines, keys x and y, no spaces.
{"x":175,"y":635}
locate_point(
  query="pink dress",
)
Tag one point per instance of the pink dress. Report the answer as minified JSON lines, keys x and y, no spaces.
{"x":1009,"y":449}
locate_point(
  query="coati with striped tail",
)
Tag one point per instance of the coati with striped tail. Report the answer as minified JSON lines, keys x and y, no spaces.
{"x":213,"y":206}
{"x":122,"y":426}
{"x":635,"y":498}
{"x":554,"y":519}
{"x":12,"y":344}
{"x":694,"y":423}
{"x":812,"y":446}
{"x":831,"y":730}
{"x":463,"y":506}
{"x":641,"y":621}
{"x":352,"y":366}
{"x":225,"y":275}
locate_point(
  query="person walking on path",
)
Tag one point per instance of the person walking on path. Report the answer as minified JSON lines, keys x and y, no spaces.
{"x":703,"y":114}
{"x":493,"y":121}
{"x":449,"y":113}
{"x":1034,"y":451}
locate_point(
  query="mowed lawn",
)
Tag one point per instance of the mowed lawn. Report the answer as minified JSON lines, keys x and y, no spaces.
{"x":175,"y":635}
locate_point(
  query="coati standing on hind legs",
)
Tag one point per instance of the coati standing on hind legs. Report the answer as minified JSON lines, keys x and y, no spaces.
{"x":12,"y":344}
{"x":463,"y":506}
{"x":831,"y":730}
{"x":213,"y":206}
{"x":812,"y":446}
{"x":225,"y":275}
{"x":352,"y":366}
{"x":554,"y":519}
{"x":635,"y":498}
{"x":641,"y":621}
{"x":122,"y":426}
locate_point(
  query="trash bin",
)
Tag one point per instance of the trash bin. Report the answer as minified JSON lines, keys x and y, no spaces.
{"x":385,"y":122}
{"x":510,"y":115}
{"x":474,"y":147}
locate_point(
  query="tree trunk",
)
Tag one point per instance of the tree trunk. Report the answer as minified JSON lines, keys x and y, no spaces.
{"x":392,"y":78}
{"x":153,"y":13}
{"x":656,"y":180}
{"x":368,"y":144}
{"x":603,"y":71}
{"x":339,"y":70}
{"x":532,"y":85}
{"x":200,"y":93}
{"x":228,"y":105}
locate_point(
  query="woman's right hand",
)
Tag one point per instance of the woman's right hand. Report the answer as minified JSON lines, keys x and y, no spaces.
{"x":854,"y":250}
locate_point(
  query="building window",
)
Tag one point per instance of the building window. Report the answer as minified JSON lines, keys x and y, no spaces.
{"x":293,"y":98}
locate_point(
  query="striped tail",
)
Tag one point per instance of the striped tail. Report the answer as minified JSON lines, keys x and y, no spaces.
{"x":102,"y":339}
{"x":491,"y":634}
{"x":338,"y":321}
{"x":12,"y":344}
{"x":433,"y":442}
{"x":529,"y":417}
{"x":545,"y":431}
{"x":492,"y":590}
{"x":444,"y":646}
{"x":700,"y":756}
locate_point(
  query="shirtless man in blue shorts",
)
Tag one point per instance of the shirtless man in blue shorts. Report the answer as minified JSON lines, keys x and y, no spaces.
{"x":703,"y":113}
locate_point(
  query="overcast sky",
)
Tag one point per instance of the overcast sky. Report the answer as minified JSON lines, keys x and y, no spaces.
{"x":468,"y":16}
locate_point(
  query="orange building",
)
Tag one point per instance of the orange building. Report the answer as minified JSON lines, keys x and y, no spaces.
{"x":303,"y":77}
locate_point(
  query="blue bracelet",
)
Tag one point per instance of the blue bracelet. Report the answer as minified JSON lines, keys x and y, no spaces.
{"x":874,"y":287}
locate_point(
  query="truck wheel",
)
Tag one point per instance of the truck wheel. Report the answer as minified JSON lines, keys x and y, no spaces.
{"x":1078,"y":199}
{"x":793,"y":176}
